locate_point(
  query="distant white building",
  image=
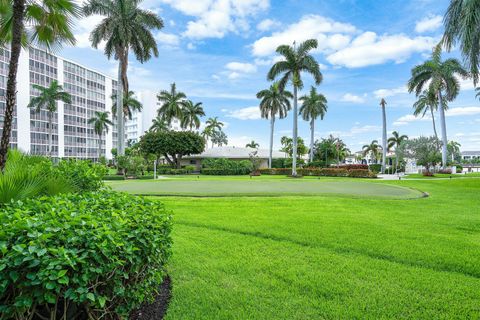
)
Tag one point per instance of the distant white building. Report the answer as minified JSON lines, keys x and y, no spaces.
{"x":470,"y":155}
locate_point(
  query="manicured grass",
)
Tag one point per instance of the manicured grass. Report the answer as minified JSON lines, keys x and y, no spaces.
{"x":444,"y":176}
{"x":330,"y":257}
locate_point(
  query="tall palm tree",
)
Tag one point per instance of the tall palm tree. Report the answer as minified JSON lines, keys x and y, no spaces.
{"x":125,"y":28}
{"x":454,"y":148}
{"x":383,"y":103}
{"x":394,"y":142}
{"x":428,"y":102}
{"x":462,"y":21}
{"x":313,"y":106}
{"x":159,"y":125}
{"x":172,"y":103}
{"x":130,"y":104}
{"x":100,"y":123}
{"x":252,"y":144}
{"x":440,"y":77}
{"x":47,"y":100}
{"x":373,"y":149}
{"x":295,"y":61}
{"x":214,"y":124}
{"x":274,"y":102}
{"x":45,"y":23}
{"x":191,"y":113}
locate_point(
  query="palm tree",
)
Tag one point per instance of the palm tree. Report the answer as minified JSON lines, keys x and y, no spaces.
{"x":313,"y":106}
{"x":125,"y":28}
{"x":461,"y":28}
{"x":172,"y":103}
{"x":45,"y":23}
{"x":477,"y":95}
{"x":100,"y":123}
{"x":219,"y":138}
{"x":428,"y":101}
{"x":274,"y":102}
{"x":454,"y":148}
{"x":191,"y":114}
{"x":383,"y":103}
{"x":159,"y":125}
{"x":213,"y":124}
{"x":295,"y":61}
{"x":47,"y":100}
{"x":373,"y":148}
{"x":130,"y":104}
{"x":252,"y":144}
{"x":394,"y":142}
{"x":440,"y":77}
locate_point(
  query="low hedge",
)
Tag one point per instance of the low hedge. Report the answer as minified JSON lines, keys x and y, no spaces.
{"x":145,"y":177}
{"x":98,"y":255}
{"x":375,"y":168}
{"x":224,"y":172}
{"x":113,"y":177}
{"x":164,"y":170}
{"x":326,"y":172}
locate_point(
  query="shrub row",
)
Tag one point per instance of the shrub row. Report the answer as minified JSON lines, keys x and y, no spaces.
{"x":226,"y":167}
{"x":327,"y":172}
{"x":375,"y":167}
{"x":114,"y":177}
{"x":224,"y":172}
{"x":98,"y":254}
{"x":172,"y":171}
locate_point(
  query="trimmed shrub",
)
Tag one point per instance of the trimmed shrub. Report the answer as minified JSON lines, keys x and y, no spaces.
{"x":226,"y":167}
{"x":376,"y":168}
{"x":98,"y":254}
{"x":113,"y":177}
{"x":326,"y":172}
{"x":427,"y":174}
{"x":445,"y":171}
{"x":459,"y":168}
{"x":85,"y":175}
{"x":278,"y":162}
{"x":276,"y":171}
{"x":146,"y":177}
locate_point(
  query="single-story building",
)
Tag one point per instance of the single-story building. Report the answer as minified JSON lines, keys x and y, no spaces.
{"x":470,"y":155}
{"x":231,"y":153}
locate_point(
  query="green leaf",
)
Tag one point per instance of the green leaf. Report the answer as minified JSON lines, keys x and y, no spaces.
{"x":102,"y":300}
{"x":14,"y":275}
{"x":91,"y":297}
{"x":61,"y":273}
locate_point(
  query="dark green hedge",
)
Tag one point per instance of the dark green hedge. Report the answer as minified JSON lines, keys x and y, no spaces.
{"x":326,"y":172}
{"x":101,"y":253}
{"x":114,"y":177}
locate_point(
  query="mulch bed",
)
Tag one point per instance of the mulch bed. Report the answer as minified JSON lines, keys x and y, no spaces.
{"x":158,"y":308}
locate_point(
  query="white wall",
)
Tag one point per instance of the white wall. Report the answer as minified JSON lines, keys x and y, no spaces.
{"x":23,"y":99}
{"x":108,"y":107}
{"x":61,"y":112}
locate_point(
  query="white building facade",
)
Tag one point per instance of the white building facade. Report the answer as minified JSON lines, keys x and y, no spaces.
{"x":72,"y":136}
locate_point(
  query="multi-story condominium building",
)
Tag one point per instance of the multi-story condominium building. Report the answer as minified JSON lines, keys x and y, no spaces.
{"x":72,"y":136}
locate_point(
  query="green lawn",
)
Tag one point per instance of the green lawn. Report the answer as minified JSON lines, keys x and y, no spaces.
{"x":327,"y":256}
{"x":444,"y":176}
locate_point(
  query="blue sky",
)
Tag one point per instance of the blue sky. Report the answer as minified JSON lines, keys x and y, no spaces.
{"x":219,"y":52}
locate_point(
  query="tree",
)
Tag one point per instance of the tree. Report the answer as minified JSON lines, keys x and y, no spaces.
{"x":440,"y":77}
{"x":274,"y":103}
{"x":477,"y":95}
{"x":428,"y":101}
{"x":100,"y":123}
{"x":287,"y":144}
{"x":295,"y":61}
{"x":383,"y":103}
{"x":373,"y":149}
{"x":326,"y":149}
{"x":47,"y":100}
{"x":130,"y":104}
{"x":454,"y":150}
{"x":211,"y":127}
{"x":125,"y":28}
{"x":423,"y":149}
{"x":172,"y":103}
{"x":313,"y":106}
{"x":191,"y":114}
{"x":252,"y":145}
{"x":45,"y":23}
{"x":159,"y":124}
{"x":461,"y":29}
{"x":172,"y":145}
{"x":394,"y":142}
{"x":219,"y":138}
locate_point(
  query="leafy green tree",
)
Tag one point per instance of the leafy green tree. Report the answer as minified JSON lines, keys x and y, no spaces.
{"x":100,"y":123}
{"x":454,"y":150}
{"x":211,"y":127}
{"x":440,"y":77}
{"x":274,"y":102}
{"x":219,"y":138}
{"x":287,"y":147}
{"x":47,"y":100}
{"x":295,"y":61}
{"x":462,"y":22}
{"x":252,"y":144}
{"x":172,"y":145}
{"x":423,"y":149}
{"x":394,"y":142}
{"x":172,"y":103}
{"x":373,"y":149}
{"x":428,"y":102}
{"x":130,"y":104}
{"x":159,"y":124}
{"x":126,"y":28}
{"x":24,"y":22}
{"x":191,"y":114}
{"x":313,"y":106}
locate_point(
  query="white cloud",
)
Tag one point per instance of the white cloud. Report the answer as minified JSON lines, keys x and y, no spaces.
{"x":406,"y":119}
{"x":216,"y":18}
{"x":462,"y":111}
{"x":365,"y":129}
{"x":249,"y":113}
{"x":384,"y":93}
{"x":348,"y":97}
{"x":168,"y":39}
{"x":331,"y":35}
{"x":370,"y":49}
{"x":428,"y":24}
{"x":268,"y":24}
{"x":83,"y":29}
{"x":239,"y":69}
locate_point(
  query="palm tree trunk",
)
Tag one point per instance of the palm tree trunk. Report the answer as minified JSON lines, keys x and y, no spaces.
{"x":444,"y":130}
{"x":272,"y":127}
{"x":295,"y":133}
{"x":11,"y":94}
{"x":396,"y":161}
{"x":99,"y":146}
{"x":120,"y":119}
{"x":384,"y":139}
{"x":312,"y":134}
{"x":50,"y":133}
{"x":434,"y":126}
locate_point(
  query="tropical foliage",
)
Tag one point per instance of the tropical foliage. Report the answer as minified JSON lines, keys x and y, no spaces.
{"x":191,"y":114}
{"x":394,"y":142}
{"x":427,"y":101}
{"x":171,"y":104}
{"x":373,"y":149}
{"x":159,"y":124}
{"x":130,"y":104}
{"x":252,"y":144}
{"x":100,"y":122}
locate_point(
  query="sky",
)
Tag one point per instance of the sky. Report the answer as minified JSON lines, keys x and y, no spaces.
{"x":219,"y":52}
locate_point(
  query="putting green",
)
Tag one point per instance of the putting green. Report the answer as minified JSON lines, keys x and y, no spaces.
{"x":206,"y":188}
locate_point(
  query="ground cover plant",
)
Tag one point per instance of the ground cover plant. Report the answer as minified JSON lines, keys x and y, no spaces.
{"x":327,"y":256}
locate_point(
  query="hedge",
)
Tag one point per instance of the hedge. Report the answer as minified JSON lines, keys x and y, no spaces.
{"x":113,"y":177}
{"x":375,"y":168}
{"x":327,"y":172}
{"x":100,"y":254}
{"x":224,"y":172}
